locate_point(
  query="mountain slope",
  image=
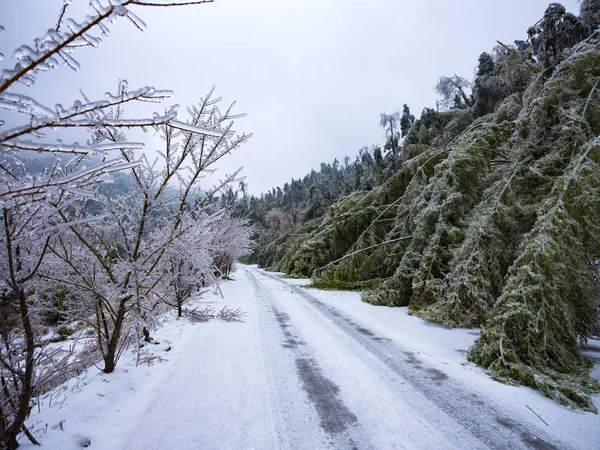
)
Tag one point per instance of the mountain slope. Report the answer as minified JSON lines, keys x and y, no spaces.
{"x":492,"y":220}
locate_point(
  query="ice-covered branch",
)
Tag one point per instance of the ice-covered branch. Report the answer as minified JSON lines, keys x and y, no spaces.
{"x":70,"y":182}
{"x":45,"y":118}
{"x":193,"y":128}
{"x":76,"y":148}
{"x":58,"y":43}
{"x":168,"y":3}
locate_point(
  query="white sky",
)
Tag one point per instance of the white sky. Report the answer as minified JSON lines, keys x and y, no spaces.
{"x":313,"y":75}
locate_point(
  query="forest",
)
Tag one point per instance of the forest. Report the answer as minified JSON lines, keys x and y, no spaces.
{"x":482,"y":213}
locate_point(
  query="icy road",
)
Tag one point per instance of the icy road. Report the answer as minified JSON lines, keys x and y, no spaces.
{"x":309,"y":370}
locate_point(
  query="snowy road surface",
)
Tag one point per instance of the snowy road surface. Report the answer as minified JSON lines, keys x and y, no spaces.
{"x":308,"y":369}
{"x":303,"y":372}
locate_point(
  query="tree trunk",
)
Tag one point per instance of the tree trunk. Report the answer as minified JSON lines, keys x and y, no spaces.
{"x":9,"y":435}
{"x":22,"y":408}
{"x":9,"y":441}
{"x":109,"y":362}
{"x":146,"y":334}
{"x":465,"y":98}
{"x":110,"y":357}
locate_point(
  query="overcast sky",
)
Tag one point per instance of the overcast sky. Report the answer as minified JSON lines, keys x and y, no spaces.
{"x":313,"y":75}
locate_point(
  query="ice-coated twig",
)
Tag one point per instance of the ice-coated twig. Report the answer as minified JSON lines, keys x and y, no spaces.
{"x":168,"y":3}
{"x":79,"y":115}
{"x":538,"y":416}
{"x":59,"y":147}
{"x":38,"y":186}
{"x":194,"y":128}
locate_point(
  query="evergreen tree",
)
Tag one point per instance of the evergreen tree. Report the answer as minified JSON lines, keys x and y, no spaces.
{"x":406,"y":121}
{"x":389,"y":122}
{"x":556,"y":31}
{"x":489,"y":88}
{"x":590,"y":12}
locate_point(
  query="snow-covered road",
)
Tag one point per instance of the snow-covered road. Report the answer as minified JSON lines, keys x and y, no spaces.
{"x":310,"y":370}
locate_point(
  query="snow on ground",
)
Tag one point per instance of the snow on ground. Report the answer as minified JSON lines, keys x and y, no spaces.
{"x":101,"y":407}
{"x":310,"y":372}
{"x":295,"y":281}
{"x":447,"y":348}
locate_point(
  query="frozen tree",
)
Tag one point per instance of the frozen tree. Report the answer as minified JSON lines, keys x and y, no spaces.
{"x":454,"y":91}
{"x":38,"y":206}
{"x":25,"y":236}
{"x":590,"y":12}
{"x":555,"y":32}
{"x":407,"y":120}
{"x":30,"y":225}
{"x":280,"y":221}
{"x":231,"y":241}
{"x":120,"y":264}
{"x":489,"y":88}
{"x":202,"y":256}
{"x":188,"y":263}
{"x":390,"y":123}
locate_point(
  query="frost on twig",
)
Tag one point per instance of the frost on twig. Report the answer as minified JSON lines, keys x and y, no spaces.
{"x":200,"y":315}
{"x":231,"y":315}
{"x":57,"y":45}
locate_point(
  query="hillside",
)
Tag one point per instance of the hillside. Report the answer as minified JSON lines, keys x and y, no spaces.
{"x":489,"y":217}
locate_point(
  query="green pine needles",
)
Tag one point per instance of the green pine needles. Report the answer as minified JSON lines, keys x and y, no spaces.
{"x":548,"y":303}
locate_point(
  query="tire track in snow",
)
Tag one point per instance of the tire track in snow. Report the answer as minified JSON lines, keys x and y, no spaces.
{"x":475,"y":413}
{"x":335,"y":419}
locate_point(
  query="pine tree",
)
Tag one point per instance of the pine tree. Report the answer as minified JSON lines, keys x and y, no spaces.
{"x":406,"y":121}
{"x":389,"y":122}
